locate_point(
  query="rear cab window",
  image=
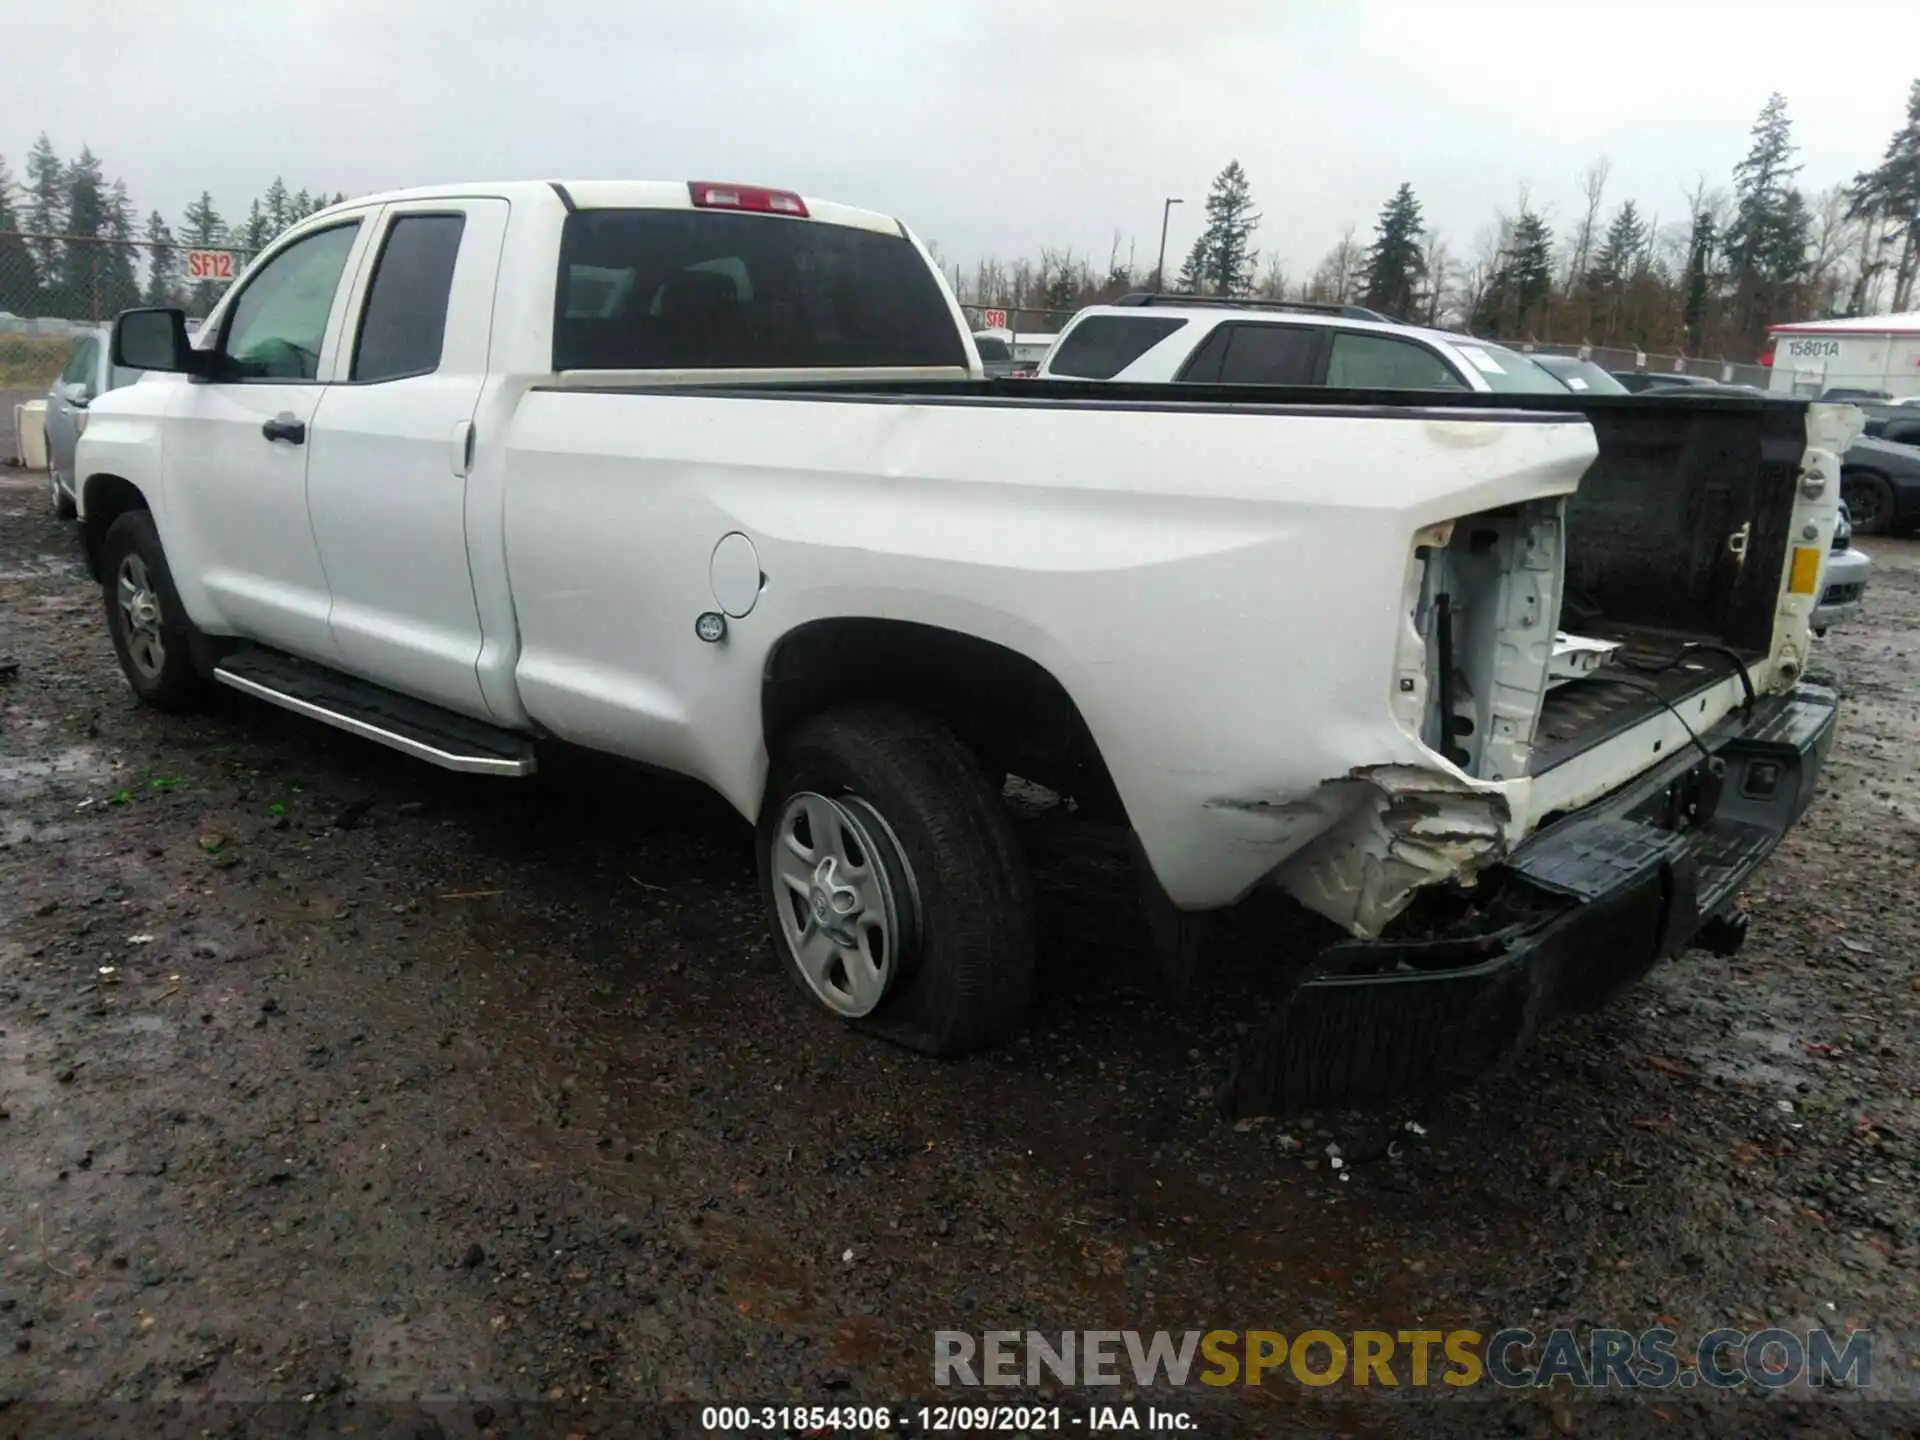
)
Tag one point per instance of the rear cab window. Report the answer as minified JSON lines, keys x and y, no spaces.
{"x":1101,"y":346}
{"x":699,"y":290}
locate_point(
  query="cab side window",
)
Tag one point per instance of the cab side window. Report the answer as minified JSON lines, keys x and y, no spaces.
{"x":277,"y":324}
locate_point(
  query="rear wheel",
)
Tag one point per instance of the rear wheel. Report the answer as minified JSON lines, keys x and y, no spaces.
{"x":62,"y":502}
{"x":899,"y":898}
{"x":151,"y":633}
{"x":1869,"y":500}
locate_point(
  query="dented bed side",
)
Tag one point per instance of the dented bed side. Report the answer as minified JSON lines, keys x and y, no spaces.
{"x":1233,"y":594}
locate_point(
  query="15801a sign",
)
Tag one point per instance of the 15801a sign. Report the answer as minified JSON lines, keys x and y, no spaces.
{"x":209,"y":264}
{"x":1805,"y":349}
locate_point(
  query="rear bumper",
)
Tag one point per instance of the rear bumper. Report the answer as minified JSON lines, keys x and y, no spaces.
{"x":1578,"y":911}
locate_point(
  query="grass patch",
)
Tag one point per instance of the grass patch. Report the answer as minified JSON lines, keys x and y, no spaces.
{"x":33,"y":362}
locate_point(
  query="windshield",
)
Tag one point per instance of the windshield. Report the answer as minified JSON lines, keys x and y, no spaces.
{"x":1581,"y":376}
{"x":992,"y":348}
{"x":1507,"y":372}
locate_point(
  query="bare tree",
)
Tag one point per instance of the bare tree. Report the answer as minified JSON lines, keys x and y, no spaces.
{"x":1831,"y":251}
{"x":1337,"y":276}
{"x":1593,"y":188}
{"x":1273,"y":280}
{"x":1432,"y":303}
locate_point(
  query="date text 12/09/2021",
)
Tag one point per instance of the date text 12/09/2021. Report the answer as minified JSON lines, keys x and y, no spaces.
{"x":939,"y":1419}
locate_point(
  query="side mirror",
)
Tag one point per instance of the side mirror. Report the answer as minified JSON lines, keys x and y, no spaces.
{"x":156,"y":340}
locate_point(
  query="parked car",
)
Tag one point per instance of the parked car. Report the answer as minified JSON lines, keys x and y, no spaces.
{"x":1273,"y":640}
{"x":1880,"y":481}
{"x":1582,"y":377}
{"x":996,"y":356}
{"x":1896,"y":420}
{"x":88,"y":375}
{"x":1843,"y":586}
{"x":1636,"y":381}
{"x":1191,"y":341}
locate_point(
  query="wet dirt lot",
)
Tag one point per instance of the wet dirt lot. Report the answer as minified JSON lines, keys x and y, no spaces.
{"x":326,"y":1077}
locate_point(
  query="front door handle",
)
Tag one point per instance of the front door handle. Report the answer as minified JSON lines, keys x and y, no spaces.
{"x":284,"y":427}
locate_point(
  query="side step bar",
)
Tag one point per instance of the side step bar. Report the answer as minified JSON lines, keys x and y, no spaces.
{"x":426,"y":732}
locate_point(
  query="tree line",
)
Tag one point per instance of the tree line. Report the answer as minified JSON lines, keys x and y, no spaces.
{"x":70,"y":238}
{"x":1757,"y":252}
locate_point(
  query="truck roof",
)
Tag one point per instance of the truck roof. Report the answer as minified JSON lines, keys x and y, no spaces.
{"x":620,"y":195}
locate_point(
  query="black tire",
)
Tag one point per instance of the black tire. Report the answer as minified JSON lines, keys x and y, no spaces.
{"x":966,"y":976}
{"x":63,"y":508}
{"x":1870,"y":501}
{"x":176,"y":681}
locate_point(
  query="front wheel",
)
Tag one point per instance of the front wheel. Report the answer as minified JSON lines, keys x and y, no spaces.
{"x":899,"y":898}
{"x":1869,"y":501}
{"x":152,"y":635}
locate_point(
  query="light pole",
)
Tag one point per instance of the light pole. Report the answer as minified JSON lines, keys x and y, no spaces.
{"x":1160,"y":270}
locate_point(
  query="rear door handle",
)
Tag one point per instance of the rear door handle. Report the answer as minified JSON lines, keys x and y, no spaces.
{"x":284,"y":427}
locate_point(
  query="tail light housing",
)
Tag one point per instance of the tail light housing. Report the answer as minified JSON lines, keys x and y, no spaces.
{"x":757,"y":199}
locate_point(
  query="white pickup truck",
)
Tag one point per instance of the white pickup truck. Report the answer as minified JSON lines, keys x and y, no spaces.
{"x":1506,"y":687}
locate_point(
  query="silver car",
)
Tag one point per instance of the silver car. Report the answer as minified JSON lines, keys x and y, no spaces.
{"x":87,"y":377}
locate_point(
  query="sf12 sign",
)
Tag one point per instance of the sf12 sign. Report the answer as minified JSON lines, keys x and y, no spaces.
{"x":994,"y":319}
{"x":209,"y":264}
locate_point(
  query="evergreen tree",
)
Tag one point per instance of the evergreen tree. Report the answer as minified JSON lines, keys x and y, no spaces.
{"x":1523,"y":282}
{"x":1759,"y":240}
{"x":1396,"y":263}
{"x":46,"y":207}
{"x":1888,"y":197}
{"x":1222,"y":259}
{"x":163,"y":263}
{"x":1619,"y":252}
{"x":256,"y":231}
{"x":82,"y":261}
{"x":279,"y":206}
{"x":119,"y":290}
{"x":203,"y":229}
{"x":1699,"y":279}
{"x":19,"y":271}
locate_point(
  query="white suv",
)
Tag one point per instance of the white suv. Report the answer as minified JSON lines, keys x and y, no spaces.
{"x":1160,"y":338}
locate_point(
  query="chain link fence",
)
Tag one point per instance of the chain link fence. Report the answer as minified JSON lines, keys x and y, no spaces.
{"x":56,"y":289}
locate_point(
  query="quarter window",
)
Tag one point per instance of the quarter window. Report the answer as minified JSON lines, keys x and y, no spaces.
{"x":278,"y":322}
{"x":1380,"y":362}
{"x":404,"y":321}
{"x":1101,"y":346}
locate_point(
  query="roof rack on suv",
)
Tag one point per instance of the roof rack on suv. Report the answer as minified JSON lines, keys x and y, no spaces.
{"x":1161,"y":297}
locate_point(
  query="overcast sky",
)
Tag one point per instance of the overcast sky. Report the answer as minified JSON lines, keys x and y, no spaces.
{"x":991,"y":126}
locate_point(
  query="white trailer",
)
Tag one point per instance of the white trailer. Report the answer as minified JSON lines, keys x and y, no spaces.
{"x":1878,"y":353}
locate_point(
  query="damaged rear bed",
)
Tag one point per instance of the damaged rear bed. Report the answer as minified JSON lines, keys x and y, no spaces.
{"x":1623,"y":669}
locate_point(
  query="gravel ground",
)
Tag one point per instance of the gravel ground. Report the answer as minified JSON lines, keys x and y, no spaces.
{"x":328,"y":1077}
